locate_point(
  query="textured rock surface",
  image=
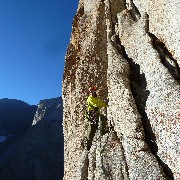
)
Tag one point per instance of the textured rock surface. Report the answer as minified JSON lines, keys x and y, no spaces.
{"x":130,"y":51}
{"x":49,"y":110}
{"x":39,"y":153}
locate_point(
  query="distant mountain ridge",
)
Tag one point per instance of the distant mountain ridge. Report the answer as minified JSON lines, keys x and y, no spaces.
{"x":39,"y":153}
{"x":49,"y":109}
{"x":15,"y":116}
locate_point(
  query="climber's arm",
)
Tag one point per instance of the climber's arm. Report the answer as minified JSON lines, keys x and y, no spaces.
{"x":95,"y":102}
{"x":101,"y":104}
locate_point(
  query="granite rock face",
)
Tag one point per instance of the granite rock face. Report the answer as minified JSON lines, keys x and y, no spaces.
{"x":49,"y":110}
{"x":130,"y":51}
{"x":39,"y":153}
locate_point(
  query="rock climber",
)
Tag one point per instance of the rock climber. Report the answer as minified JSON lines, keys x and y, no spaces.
{"x":93,"y":112}
{"x":94,"y":105}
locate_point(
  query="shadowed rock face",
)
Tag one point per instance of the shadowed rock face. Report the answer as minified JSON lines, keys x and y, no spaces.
{"x":15,"y":116}
{"x":39,"y":153}
{"x":129,"y":50}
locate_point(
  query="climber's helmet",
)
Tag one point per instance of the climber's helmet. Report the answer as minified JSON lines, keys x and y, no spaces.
{"x":92,"y":89}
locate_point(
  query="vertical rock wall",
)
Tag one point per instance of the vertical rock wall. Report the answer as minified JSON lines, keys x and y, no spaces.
{"x":129,"y":51}
{"x":84,"y":67}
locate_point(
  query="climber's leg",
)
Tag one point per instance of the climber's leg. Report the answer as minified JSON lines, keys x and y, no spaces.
{"x":90,"y":136}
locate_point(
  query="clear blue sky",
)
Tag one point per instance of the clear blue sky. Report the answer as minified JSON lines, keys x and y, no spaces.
{"x":34,"y":35}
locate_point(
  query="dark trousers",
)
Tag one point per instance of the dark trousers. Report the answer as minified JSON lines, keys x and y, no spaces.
{"x":93,"y":127}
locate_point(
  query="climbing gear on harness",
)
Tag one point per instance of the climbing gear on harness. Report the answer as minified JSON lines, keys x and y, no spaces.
{"x":92,"y":116}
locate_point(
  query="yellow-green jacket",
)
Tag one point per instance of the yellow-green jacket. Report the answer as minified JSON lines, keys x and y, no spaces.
{"x":95,"y":102}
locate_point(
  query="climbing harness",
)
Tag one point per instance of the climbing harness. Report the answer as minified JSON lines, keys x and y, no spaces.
{"x":92,"y":115}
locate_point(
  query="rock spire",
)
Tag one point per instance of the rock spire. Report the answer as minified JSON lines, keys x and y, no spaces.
{"x":129,"y":49}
